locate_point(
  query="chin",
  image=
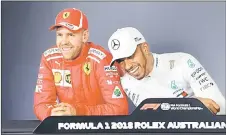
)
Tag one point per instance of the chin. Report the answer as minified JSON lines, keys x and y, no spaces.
{"x":140,"y":76}
{"x":68,"y":57}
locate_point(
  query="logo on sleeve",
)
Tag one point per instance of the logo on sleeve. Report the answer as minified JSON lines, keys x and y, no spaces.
{"x":51,"y":51}
{"x":117,"y":93}
{"x":97,"y":53}
{"x":110,"y":68}
{"x":87,"y":68}
{"x":190,"y":63}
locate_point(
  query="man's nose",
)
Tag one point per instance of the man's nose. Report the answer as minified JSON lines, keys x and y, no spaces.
{"x":65,"y":40}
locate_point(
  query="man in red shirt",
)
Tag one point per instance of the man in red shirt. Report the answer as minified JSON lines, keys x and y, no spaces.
{"x":77,"y":73}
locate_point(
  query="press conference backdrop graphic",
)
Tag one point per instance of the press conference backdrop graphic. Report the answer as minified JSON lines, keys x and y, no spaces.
{"x":197,"y":28}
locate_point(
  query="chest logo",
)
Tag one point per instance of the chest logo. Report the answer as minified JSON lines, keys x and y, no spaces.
{"x":68,"y":78}
{"x":57,"y":77}
{"x":87,"y":68}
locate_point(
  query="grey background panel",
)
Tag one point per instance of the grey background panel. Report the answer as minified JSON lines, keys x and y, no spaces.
{"x":197,"y":28}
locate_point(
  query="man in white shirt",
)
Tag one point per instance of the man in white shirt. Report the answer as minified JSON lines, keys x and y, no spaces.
{"x":168,"y":75}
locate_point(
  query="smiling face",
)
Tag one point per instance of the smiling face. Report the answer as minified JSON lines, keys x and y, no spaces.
{"x":70,"y":43}
{"x":136,"y":65}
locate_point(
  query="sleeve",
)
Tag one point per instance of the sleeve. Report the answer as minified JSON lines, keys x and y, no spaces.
{"x":201,"y":82}
{"x":45,"y":92}
{"x":112,"y":93}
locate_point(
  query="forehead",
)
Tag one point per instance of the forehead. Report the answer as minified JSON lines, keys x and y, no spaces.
{"x":62,"y":29}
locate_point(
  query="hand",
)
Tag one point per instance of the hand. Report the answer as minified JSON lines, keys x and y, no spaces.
{"x":150,"y":106}
{"x":63,"y":109}
{"x":210,"y":104}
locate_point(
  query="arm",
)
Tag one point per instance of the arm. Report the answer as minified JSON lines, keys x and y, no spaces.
{"x":201,"y":82}
{"x":113,"y":95}
{"x":45,"y":93}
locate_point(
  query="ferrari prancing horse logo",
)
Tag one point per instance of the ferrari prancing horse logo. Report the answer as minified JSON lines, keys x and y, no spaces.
{"x":66,"y":15}
{"x":87,"y":68}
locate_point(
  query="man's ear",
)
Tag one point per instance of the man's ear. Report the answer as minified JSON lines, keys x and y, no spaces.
{"x":145,"y":48}
{"x":85,"y":36}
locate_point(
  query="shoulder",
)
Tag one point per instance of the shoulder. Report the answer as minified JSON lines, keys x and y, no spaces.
{"x":175,"y":55}
{"x":99,"y":53}
{"x":52,"y":53}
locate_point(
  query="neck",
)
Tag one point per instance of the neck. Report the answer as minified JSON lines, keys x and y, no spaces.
{"x":150,"y":64}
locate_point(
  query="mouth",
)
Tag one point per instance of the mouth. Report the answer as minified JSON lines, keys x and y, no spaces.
{"x":66,"y":49}
{"x":133,"y":71}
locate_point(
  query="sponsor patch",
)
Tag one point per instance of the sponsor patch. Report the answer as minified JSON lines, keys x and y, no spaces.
{"x":203,"y":80}
{"x":57,"y":77}
{"x":40,"y":76}
{"x":38,"y":88}
{"x":97,"y":53}
{"x":207,"y":86}
{"x":51,"y":51}
{"x":197,"y":71}
{"x":39,"y":81}
{"x":110,"y":82}
{"x":62,"y":77}
{"x":68,"y":78}
{"x":112,"y":74}
{"x":87,"y":68}
{"x":117,"y":93}
{"x":110,"y":68}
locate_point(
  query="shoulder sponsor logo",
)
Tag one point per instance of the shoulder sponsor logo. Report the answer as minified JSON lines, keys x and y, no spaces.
{"x":117,"y":93}
{"x":190,"y":63}
{"x":203,"y":74}
{"x":203,"y":80}
{"x":87,"y":68}
{"x":110,"y":68}
{"x":51,"y":51}
{"x":207,"y":86}
{"x":97,"y":53}
{"x":198,"y":70}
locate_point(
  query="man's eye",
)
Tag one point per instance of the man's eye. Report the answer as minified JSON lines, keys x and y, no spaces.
{"x":59,"y":34}
{"x":119,"y":60}
{"x":71,"y":34}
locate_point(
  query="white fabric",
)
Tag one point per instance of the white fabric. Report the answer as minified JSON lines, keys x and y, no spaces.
{"x":172,"y":74}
